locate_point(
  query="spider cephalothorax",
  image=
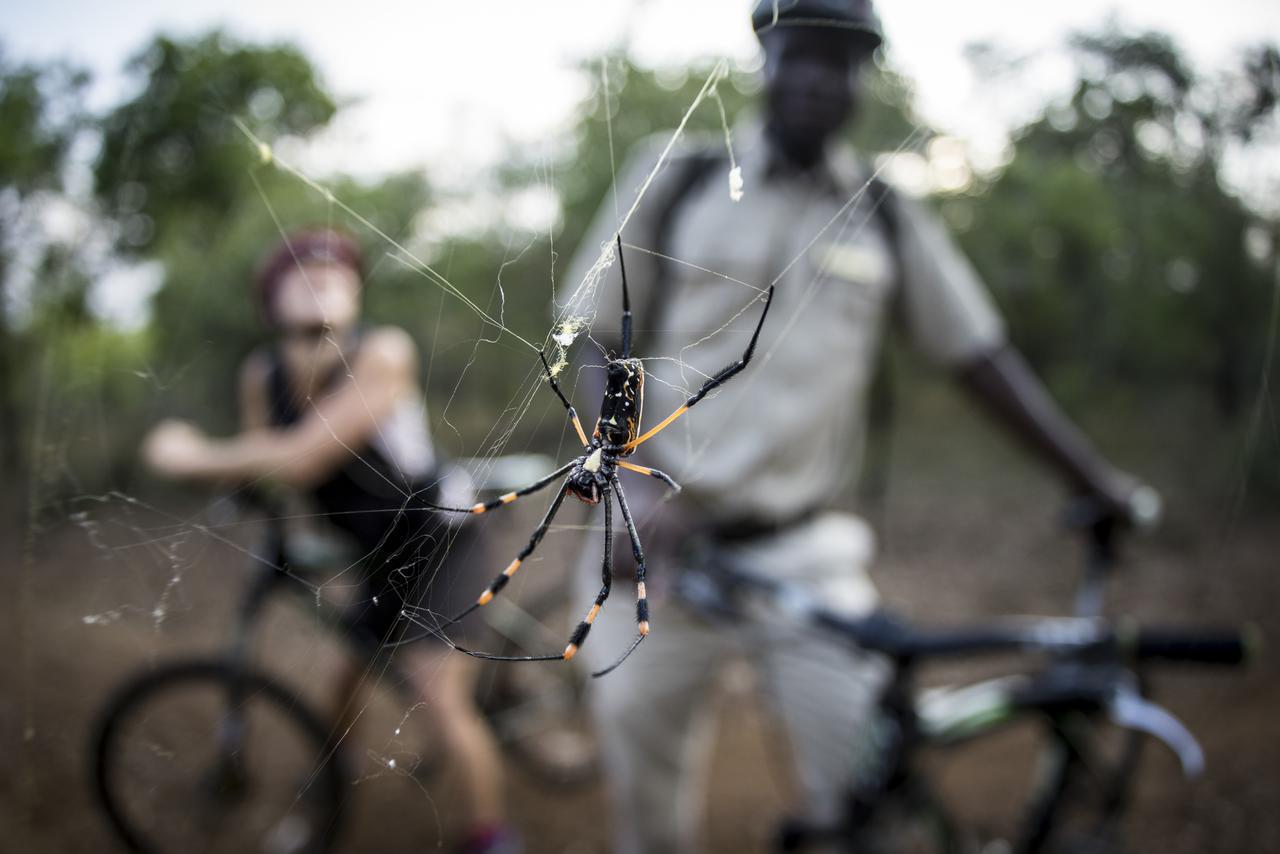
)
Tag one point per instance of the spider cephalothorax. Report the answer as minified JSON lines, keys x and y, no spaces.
{"x":593,"y":477}
{"x":589,"y":477}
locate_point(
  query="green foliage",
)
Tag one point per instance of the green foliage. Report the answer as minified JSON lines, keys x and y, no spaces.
{"x":172,"y":159}
{"x":40,"y":115}
{"x":92,"y":396}
{"x":1116,"y":253}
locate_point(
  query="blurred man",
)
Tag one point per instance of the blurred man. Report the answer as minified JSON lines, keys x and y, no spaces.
{"x":761,"y":463}
{"x":334,"y":410}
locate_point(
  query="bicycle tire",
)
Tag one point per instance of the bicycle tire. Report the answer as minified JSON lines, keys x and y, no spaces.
{"x":175,"y":688}
{"x":539,"y":712}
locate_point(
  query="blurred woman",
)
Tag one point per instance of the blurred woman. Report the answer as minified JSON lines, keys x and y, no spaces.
{"x":334,"y":409}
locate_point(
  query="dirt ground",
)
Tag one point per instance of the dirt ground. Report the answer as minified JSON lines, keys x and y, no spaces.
{"x":105,"y":590}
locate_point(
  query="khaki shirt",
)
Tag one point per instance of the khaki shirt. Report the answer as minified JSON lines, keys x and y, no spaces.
{"x":786,"y":433}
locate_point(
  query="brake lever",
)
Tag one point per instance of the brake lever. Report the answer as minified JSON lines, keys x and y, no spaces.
{"x":1127,"y":708}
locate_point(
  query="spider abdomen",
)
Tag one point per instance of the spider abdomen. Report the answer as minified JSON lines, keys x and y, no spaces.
{"x":623,"y":404}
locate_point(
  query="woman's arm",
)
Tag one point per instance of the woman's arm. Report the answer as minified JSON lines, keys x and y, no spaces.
{"x":330,"y":432}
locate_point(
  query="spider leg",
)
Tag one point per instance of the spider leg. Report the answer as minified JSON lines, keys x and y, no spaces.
{"x":502,"y":579}
{"x":626,"y":303}
{"x":555,"y":386}
{"x":718,"y":379}
{"x":652,"y":472}
{"x":579,"y":636}
{"x":642,"y":601}
{"x":508,"y":498}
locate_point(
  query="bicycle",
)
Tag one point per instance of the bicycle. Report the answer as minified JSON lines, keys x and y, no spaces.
{"x":1092,"y":676}
{"x":211,"y":752}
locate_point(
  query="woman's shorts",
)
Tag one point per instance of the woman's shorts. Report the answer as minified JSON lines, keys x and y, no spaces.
{"x":421,"y":574}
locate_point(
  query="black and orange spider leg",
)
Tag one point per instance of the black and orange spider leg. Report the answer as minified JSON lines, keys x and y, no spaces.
{"x":501,"y":500}
{"x":718,"y":379}
{"x":642,"y":600}
{"x":579,"y":636}
{"x":503,"y":578}
{"x":626,"y":303}
{"x":555,"y":386}
{"x":651,"y":472}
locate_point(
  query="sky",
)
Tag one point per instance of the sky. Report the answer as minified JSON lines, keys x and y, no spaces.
{"x":438,"y":84}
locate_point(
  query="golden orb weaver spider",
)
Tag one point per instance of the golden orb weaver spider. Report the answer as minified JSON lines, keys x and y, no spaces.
{"x":593,"y":478}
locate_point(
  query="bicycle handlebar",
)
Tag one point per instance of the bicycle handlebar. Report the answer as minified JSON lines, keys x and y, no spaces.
{"x":1211,"y":647}
{"x":1053,"y":635}
{"x":883,"y":632}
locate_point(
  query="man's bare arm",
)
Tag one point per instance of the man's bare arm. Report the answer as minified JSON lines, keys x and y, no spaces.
{"x":1004,"y":384}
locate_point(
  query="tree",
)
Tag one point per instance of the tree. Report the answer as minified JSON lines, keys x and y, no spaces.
{"x":41,"y":112}
{"x":173,"y":162}
{"x":1110,"y":239}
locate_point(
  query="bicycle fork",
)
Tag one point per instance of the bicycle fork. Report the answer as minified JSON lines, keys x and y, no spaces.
{"x":229,"y":780}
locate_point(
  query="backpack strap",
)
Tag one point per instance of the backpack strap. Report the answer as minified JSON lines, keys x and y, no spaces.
{"x":689,"y":173}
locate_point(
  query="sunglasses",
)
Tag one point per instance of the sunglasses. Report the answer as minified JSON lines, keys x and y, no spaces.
{"x":312,"y":332}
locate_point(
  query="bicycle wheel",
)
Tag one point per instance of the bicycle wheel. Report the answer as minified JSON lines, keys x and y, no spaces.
{"x":198,"y":756}
{"x":539,"y":713}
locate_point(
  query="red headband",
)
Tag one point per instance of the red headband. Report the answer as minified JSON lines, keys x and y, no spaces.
{"x":322,"y":245}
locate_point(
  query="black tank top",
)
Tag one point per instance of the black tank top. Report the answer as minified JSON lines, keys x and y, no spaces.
{"x":368,"y":496}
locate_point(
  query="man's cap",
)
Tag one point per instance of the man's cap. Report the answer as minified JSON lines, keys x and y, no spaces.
{"x":856,"y":16}
{"x":309,"y":246}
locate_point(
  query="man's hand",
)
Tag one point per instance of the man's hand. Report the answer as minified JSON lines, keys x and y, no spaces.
{"x":1127,"y":499}
{"x":1003,"y":383}
{"x":175,"y":449}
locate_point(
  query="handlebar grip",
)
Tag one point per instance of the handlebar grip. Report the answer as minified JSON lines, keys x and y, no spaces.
{"x":1216,"y":647}
{"x":1146,"y":508}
